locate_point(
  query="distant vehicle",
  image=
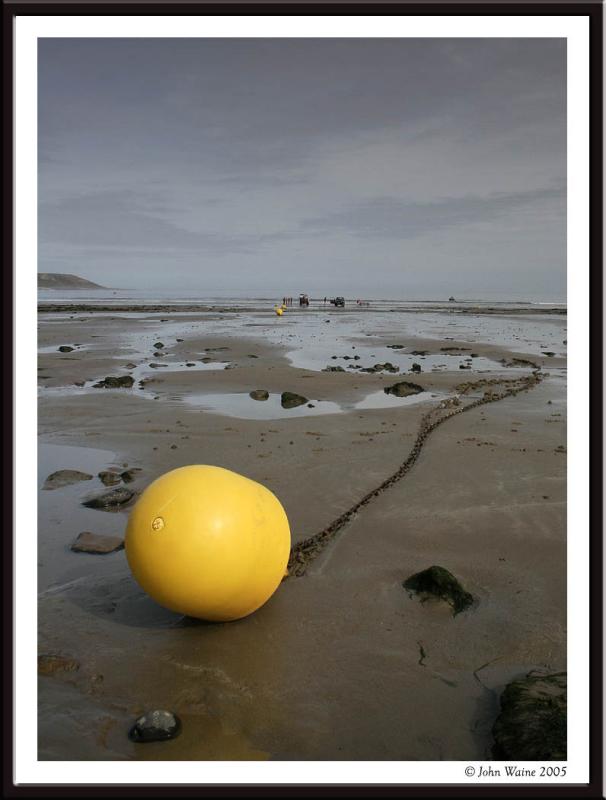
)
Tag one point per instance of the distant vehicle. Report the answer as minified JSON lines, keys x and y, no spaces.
{"x":303,"y":300}
{"x":338,"y":301}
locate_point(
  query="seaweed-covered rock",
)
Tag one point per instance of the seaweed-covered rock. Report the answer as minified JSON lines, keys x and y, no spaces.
{"x":403,"y":389}
{"x":259,"y":394}
{"x":109,"y":477}
{"x":442,"y":584}
{"x":333,"y":369}
{"x":155,"y":726}
{"x":115,"y":382}
{"x":65,"y":477}
{"x":158,"y":345}
{"x":416,"y":367}
{"x":65,"y":348}
{"x":532,"y":722}
{"x":48,"y":664}
{"x":129,"y":475}
{"x":292,"y":400}
{"x":96,"y":543}
{"x":110,"y":501}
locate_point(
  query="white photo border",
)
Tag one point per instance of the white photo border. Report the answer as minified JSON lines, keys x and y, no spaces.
{"x":28,"y":770}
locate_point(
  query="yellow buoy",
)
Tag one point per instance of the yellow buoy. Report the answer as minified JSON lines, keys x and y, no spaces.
{"x":207,"y":542}
{"x":279,"y":311}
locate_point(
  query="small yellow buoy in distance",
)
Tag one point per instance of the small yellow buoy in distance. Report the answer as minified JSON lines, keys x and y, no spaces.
{"x":279,"y":310}
{"x":208,"y":543}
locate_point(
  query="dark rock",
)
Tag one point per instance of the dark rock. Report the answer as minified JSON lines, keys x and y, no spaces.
{"x":548,"y":353}
{"x":419,"y":352}
{"x":403,"y":389}
{"x":439,"y":582}
{"x":206,"y":360}
{"x":251,"y":355}
{"x":259,"y":394}
{"x":95,"y":543}
{"x":416,"y":367}
{"x":333,"y":369}
{"x":158,"y":345}
{"x":230,"y":366}
{"x":157,"y":366}
{"x":155,"y":726}
{"x":129,"y":475}
{"x":115,"y":382}
{"x":130,"y":365}
{"x":190,"y":364}
{"x":159,"y":354}
{"x":532,"y":722}
{"x":310,"y":405}
{"x":396,"y":346}
{"x":110,"y":501}
{"x":180,"y":340}
{"x":76,"y":383}
{"x":49,"y":664}
{"x":65,"y":477}
{"x":65,"y":348}
{"x":292,"y":400}
{"x":109,"y":477}
{"x":464,"y":366}
{"x":474,"y":355}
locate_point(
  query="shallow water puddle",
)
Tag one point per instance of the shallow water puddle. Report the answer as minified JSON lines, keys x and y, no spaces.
{"x":242,"y":406}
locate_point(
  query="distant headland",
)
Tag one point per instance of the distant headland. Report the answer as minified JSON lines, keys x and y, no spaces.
{"x":61,"y":280}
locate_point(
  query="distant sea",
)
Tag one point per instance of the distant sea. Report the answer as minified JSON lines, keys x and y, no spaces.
{"x":120,"y":297}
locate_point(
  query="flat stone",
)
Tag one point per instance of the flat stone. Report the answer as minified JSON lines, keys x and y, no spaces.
{"x":155,"y":726}
{"x":129,"y":475}
{"x":158,"y":345}
{"x":115,"y":382}
{"x":49,"y":664}
{"x":259,"y":394}
{"x":96,"y":543}
{"x":65,"y":348}
{"x":110,"y":501}
{"x":65,"y":477}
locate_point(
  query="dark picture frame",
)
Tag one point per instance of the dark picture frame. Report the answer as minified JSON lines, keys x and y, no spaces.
{"x":594,"y":12}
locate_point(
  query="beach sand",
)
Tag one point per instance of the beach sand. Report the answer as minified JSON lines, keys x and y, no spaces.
{"x":341,"y":663}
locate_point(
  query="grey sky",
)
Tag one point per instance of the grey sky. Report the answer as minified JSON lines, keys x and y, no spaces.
{"x":392,"y":167}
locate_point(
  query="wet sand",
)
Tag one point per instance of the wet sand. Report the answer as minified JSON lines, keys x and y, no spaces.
{"x":341,"y":663}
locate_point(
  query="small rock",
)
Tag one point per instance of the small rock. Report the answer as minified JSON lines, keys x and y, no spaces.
{"x":115,"y":382}
{"x":65,"y":348}
{"x":159,"y":354}
{"x":173,"y":447}
{"x":403,"y":389}
{"x":130,"y":365}
{"x":128,"y":475}
{"x":76,"y":383}
{"x":158,"y":345}
{"x":110,"y":501}
{"x":109,"y":477}
{"x":153,"y":365}
{"x":259,"y":394}
{"x":333,"y":369}
{"x":231,"y":366}
{"x":532,"y":722}
{"x":206,"y":360}
{"x":419,"y":352}
{"x":396,"y":346}
{"x":190,"y":364}
{"x":416,"y":367}
{"x":65,"y":477}
{"x":292,"y":400}
{"x":155,"y":726}
{"x":548,"y":353}
{"x":251,"y":355}
{"x":95,"y":543}
{"x":49,"y":664}
{"x":442,"y":584}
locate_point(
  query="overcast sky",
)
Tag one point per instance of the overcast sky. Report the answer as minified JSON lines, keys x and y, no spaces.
{"x":400,"y":167}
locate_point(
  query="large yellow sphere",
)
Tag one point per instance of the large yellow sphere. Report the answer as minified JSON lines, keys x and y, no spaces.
{"x":207,"y":542}
{"x":279,"y":311}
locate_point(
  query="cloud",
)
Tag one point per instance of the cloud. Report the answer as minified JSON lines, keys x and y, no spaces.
{"x":390,"y":217}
